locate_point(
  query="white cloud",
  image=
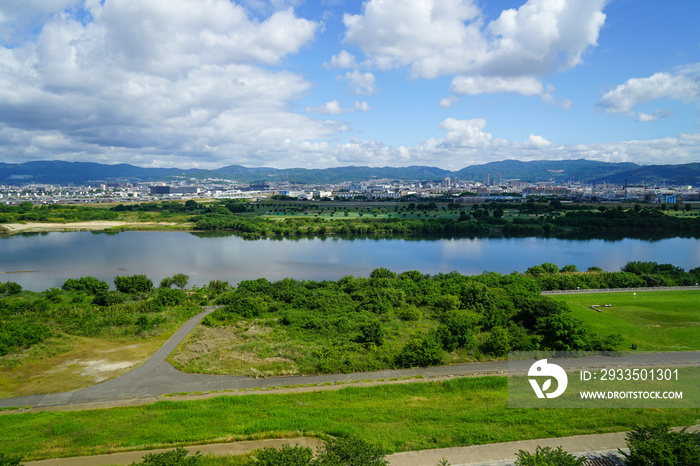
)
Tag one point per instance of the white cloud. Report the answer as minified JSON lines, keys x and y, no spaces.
{"x":449,"y":37}
{"x":330,"y":108}
{"x":448,"y":101}
{"x":154,"y":80}
{"x":343,"y":59}
{"x":636,"y":91}
{"x":474,"y":85}
{"x":362,"y":106}
{"x":334,"y":108}
{"x":362,"y":82}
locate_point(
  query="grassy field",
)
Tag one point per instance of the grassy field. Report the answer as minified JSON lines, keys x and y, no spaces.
{"x":653,"y":320}
{"x":460,"y":412}
{"x":67,"y":362}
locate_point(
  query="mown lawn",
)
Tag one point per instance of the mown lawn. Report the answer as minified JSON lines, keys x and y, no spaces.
{"x":652,"y":320}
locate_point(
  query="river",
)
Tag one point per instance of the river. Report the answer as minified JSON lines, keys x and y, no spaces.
{"x":40,"y":261}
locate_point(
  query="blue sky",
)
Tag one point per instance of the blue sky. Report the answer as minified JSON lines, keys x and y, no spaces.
{"x":295,"y":83}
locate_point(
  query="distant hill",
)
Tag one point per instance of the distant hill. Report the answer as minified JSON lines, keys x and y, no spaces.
{"x":544,"y":170}
{"x":57,"y":172}
{"x":687,"y":174}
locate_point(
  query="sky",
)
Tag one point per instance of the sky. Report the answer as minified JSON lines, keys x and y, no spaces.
{"x":328,"y":83}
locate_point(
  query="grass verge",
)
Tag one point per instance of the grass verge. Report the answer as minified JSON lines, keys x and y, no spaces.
{"x":460,"y":412}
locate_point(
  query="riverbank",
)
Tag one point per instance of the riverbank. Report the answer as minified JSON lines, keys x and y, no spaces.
{"x":98,"y":225}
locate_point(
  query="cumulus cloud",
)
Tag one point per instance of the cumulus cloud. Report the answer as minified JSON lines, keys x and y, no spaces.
{"x":451,"y":37}
{"x":334,"y":108}
{"x":474,"y":85}
{"x":448,"y":101}
{"x":635,"y":91}
{"x":363,"y":83}
{"x":343,"y":59}
{"x":467,"y":142}
{"x":152,"y":79}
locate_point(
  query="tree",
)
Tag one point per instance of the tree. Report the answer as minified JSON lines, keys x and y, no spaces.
{"x":180,"y":280}
{"x":569,"y":268}
{"x":90,"y":285}
{"x":133,"y":284}
{"x":657,"y":445}
{"x":547,"y":456}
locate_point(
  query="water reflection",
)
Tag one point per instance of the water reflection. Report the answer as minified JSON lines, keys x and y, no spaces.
{"x":207,"y":256}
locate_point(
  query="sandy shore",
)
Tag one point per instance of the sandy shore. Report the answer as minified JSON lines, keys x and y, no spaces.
{"x":76,"y":226}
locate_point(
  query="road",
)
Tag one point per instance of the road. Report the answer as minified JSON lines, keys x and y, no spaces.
{"x":157,"y":377}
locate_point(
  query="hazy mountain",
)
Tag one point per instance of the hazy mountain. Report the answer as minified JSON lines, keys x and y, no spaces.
{"x":544,"y":170}
{"x":559,"y":171}
{"x":686,"y":174}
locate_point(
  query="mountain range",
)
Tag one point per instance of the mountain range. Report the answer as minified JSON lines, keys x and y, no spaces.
{"x":587,"y":171}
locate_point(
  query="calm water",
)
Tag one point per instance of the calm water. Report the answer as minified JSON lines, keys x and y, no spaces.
{"x":55,"y":257}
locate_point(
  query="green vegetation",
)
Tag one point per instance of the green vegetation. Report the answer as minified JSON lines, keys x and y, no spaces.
{"x":656,"y":444}
{"x":56,"y":213}
{"x":548,"y":456}
{"x":387,"y":320}
{"x":401,"y":417}
{"x":651,"y":320}
{"x":36,"y":328}
{"x":282,"y":217}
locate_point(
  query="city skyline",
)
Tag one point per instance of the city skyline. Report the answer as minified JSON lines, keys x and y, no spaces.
{"x":445,"y":83}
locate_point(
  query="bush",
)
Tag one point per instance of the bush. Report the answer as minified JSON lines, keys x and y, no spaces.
{"x":169,"y":297}
{"x":350,"y":451}
{"x":548,"y":456}
{"x":658,"y":445}
{"x":177,"y":457}
{"x":421,"y":352}
{"x":10,"y":288}
{"x":285,"y":456}
{"x":90,"y":285}
{"x":6,"y":460}
{"x":133,"y":284}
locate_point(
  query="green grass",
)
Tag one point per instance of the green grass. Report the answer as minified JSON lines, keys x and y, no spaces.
{"x":402,"y":417}
{"x":653,"y":320}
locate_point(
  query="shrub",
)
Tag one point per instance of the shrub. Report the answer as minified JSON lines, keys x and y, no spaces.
{"x":372,"y":333}
{"x":350,"y":451}
{"x":169,"y":297}
{"x":133,"y":284}
{"x":285,"y":456}
{"x":7,"y":460}
{"x":455,"y":331}
{"x":548,"y":456}
{"x":658,"y":445}
{"x":90,"y":285}
{"x":177,"y":457}
{"x":421,"y":352}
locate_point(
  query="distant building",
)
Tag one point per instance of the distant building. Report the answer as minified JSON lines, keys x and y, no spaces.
{"x":498,"y":179}
{"x":486,"y":179}
{"x":160,"y":189}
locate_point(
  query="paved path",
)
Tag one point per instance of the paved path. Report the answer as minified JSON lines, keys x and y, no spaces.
{"x":495,"y":454}
{"x":157,"y":377}
{"x":621,"y":290}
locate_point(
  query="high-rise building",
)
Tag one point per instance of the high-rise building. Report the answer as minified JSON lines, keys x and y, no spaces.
{"x":486,"y":179}
{"x":498,"y":179}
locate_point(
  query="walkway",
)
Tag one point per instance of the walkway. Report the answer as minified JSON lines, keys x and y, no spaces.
{"x":495,"y":454}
